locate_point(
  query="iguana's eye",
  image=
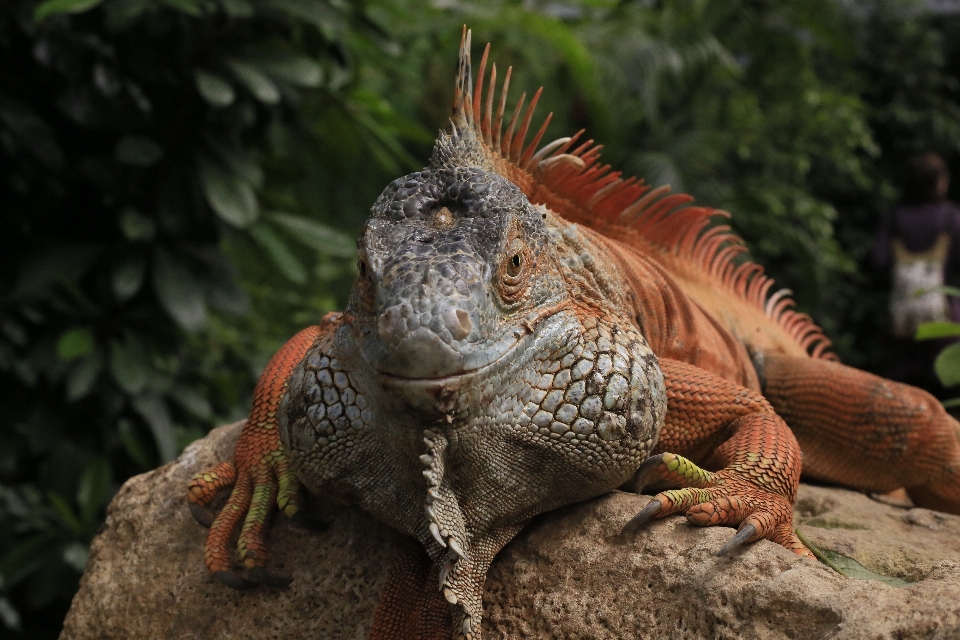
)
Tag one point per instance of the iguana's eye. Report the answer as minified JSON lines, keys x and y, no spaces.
{"x":512,"y":283}
{"x":364,"y":287}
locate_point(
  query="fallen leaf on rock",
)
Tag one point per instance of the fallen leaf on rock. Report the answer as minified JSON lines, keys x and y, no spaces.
{"x":847,"y":566}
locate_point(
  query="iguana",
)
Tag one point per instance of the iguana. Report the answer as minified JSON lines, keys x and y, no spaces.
{"x":528,"y":329}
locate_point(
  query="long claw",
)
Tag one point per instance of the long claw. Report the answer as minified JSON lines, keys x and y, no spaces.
{"x":262,"y":576}
{"x":745,"y":533}
{"x":311,"y":521}
{"x":644,"y":516}
{"x":645,"y":473}
{"x":234,"y":580}
{"x":203,"y":515}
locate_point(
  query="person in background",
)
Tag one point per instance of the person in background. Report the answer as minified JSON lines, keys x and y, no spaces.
{"x":919,"y":242}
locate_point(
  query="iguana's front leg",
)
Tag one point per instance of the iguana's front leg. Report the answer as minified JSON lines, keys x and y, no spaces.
{"x":734,"y":430}
{"x":259,"y":475}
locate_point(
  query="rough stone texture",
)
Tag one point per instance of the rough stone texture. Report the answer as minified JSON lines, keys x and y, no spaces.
{"x":567,"y":575}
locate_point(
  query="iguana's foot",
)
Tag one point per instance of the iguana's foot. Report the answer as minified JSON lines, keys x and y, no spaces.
{"x":260,"y":478}
{"x":256,"y":488}
{"x":758,"y":460}
{"x":721,"y":498}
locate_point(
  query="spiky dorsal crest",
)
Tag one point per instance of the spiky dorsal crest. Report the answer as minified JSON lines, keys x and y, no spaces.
{"x":569,"y":178}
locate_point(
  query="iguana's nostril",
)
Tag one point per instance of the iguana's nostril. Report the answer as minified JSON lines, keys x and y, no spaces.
{"x":390,"y":324}
{"x":458,"y":322}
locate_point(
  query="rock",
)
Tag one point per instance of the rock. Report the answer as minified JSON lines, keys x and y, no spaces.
{"x":567,"y":575}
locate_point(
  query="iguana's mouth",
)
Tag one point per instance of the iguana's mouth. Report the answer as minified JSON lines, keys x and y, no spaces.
{"x":505,"y":350}
{"x":480,"y":361}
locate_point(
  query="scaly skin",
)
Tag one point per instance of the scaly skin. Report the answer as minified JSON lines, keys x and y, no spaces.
{"x":526,"y":331}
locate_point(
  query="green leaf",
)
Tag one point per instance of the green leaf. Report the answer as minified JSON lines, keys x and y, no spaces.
{"x":128,"y":277}
{"x":75,"y":343}
{"x":92,"y":490}
{"x":8,"y":614}
{"x":136,"y":226}
{"x":847,"y":566}
{"x":134,"y":444}
{"x":156,"y":414}
{"x":214,"y":89}
{"x":65,"y":511}
{"x":315,"y":12}
{"x":75,"y":556}
{"x":235,"y":159}
{"x":179,"y":292}
{"x":83,"y":375}
{"x":256,"y":82}
{"x":137,"y":151}
{"x":280,"y":253}
{"x":947,"y":365}
{"x":32,"y":132}
{"x":231,"y":198}
{"x":129,"y":365}
{"x":24,"y":558}
{"x":187,"y":436}
{"x":933,"y":330}
{"x":51,"y":7}
{"x":945,"y":289}
{"x":189,"y":7}
{"x":237,"y":8}
{"x":192,"y":401}
{"x":295,"y":69}
{"x":121,"y":15}
{"x":14,"y":331}
{"x":952,"y":402}
{"x":324,"y":239}
{"x":58,"y":264}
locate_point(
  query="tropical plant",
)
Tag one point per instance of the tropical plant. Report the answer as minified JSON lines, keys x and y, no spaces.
{"x":141,"y":142}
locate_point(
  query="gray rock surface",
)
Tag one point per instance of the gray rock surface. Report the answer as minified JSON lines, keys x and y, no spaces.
{"x":567,"y":575}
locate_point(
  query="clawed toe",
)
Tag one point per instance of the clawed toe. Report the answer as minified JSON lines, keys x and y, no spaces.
{"x":202,"y":514}
{"x":251,"y":579}
{"x":235,"y":580}
{"x":268,"y":578}
{"x":311,"y":521}
{"x":645,"y":515}
{"x":746,"y":532}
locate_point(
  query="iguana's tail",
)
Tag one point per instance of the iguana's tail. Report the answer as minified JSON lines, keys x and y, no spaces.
{"x":867,"y":432}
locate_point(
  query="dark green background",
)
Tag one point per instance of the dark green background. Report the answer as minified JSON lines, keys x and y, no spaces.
{"x":181,"y":182}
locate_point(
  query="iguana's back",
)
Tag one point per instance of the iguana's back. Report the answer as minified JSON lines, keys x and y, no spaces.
{"x":704,"y":303}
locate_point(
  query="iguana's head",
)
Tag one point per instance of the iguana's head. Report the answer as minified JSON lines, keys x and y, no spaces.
{"x":454,"y":269}
{"x":485,"y":370}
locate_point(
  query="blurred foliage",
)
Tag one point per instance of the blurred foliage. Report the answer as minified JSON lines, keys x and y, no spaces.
{"x":151,"y":151}
{"x":181,"y":182}
{"x":947,"y":363}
